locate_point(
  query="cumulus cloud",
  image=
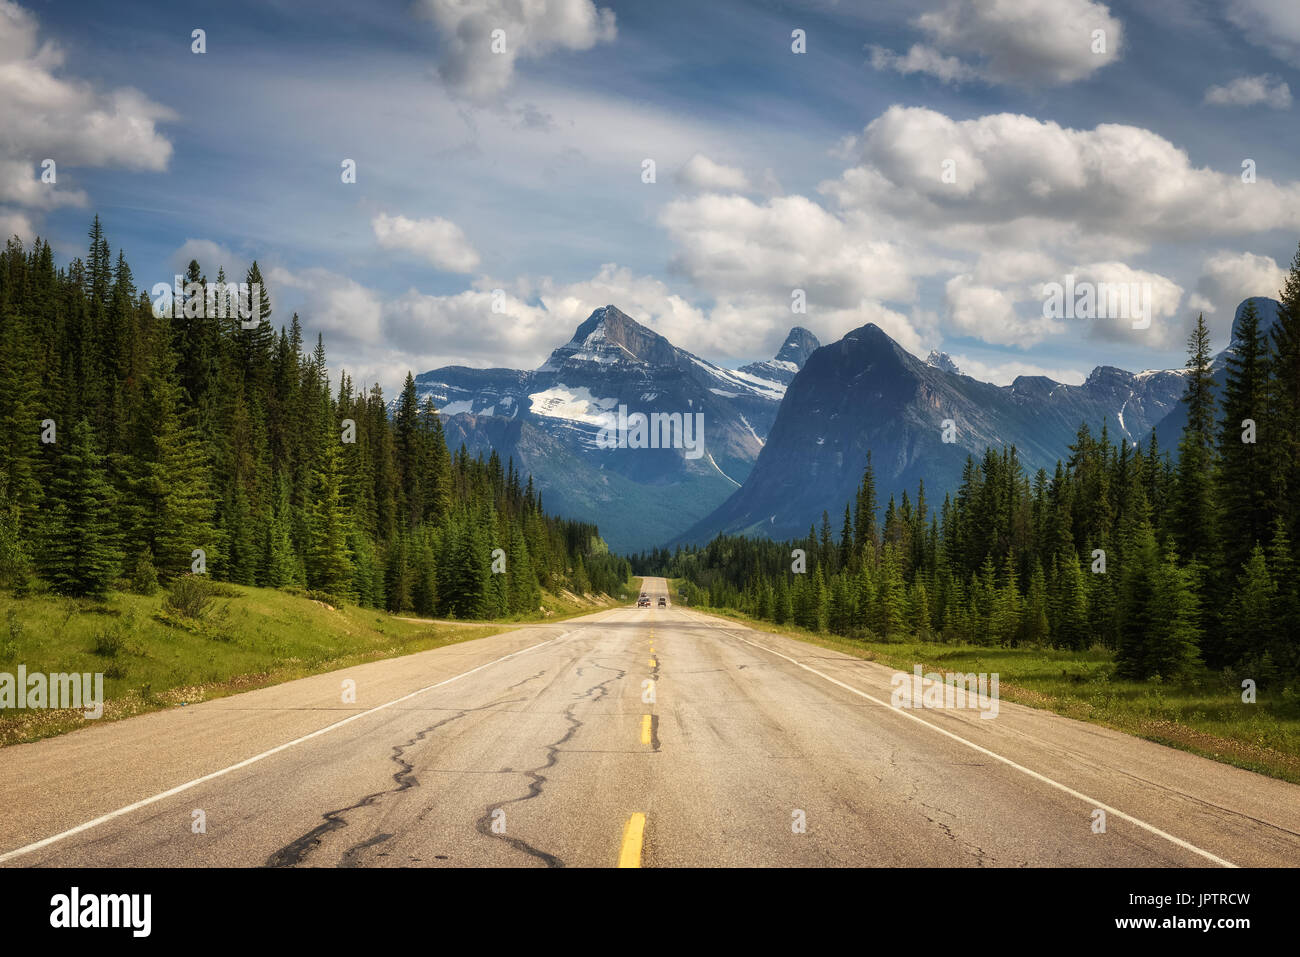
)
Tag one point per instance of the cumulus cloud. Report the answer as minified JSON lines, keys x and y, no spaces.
{"x":211,"y":257}
{"x":438,"y":240}
{"x":1229,"y":277}
{"x":1030,"y":202}
{"x":345,"y":311}
{"x":700,"y":172}
{"x":1027,"y":182}
{"x":45,"y":114}
{"x":1160,"y":294}
{"x":989,"y":314}
{"x":1250,"y":91}
{"x":1025,"y":43}
{"x":735,"y":246}
{"x":20,"y":184}
{"x":466,"y":61}
{"x":16,"y":224}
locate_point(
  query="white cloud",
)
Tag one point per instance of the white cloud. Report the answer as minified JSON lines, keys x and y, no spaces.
{"x":1028,"y":183}
{"x":1229,"y":277}
{"x":438,"y":240}
{"x":47,"y":115}
{"x":1026,"y":42}
{"x":1005,"y":372}
{"x":20,"y":184}
{"x":1251,"y":90}
{"x":923,"y":59}
{"x":15,"y":224}
{"x":466,"y":60}
{"x":211,"y":257}
{"x":346,"y":312}
{"x":1272,"y":24}
{"x":1165,"y":329}
{"x":732,"y":246}
{"x":1032,"y":202}
{"x":700,"y":172}
{"x":989,"y":314}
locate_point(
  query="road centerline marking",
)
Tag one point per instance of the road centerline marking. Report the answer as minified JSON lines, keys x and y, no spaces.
{"x":629,"y":854}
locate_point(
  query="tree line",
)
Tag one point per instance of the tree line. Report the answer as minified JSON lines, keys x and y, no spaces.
{"x":1171,"y":562}
{"x":137,"y":447}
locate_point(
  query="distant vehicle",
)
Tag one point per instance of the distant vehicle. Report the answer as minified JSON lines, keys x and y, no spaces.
{"x":663,"y":602}
{"x":643,"y":601}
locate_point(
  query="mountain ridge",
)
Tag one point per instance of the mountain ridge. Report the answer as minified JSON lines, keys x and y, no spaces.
{"x":817,"y":447}
{"x":549,"y":420}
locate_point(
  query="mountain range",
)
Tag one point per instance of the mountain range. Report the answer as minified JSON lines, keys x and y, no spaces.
{"x":550,"y":420}
{"x":785,"y":438}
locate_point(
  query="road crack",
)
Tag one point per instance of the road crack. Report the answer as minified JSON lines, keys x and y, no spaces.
{"x":536,"y":777}
{"x":296,"y":851}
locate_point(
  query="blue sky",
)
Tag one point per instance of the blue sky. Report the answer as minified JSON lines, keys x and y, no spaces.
{"x":522,"y":172}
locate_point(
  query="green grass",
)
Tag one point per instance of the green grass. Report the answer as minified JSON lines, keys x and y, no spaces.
{"x":250,"y":638}
{"x":1203,"y":714}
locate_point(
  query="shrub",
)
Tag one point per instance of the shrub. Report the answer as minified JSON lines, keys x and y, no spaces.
{"x":144,"y":577}
{"x":9,"y":650}
{"x":108,"y":643}
{"x":15,"y":565}
{"x":190,"y":596}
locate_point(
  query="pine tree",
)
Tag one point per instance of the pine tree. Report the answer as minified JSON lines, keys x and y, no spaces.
{"x":1034,"y":627}
{"x":80,"y":554}
{"x":329,"y":565}
{"x":891,"y":598}
{"x":1283,"y":437}
{"x":1251,"y":611}
{"x":1195,"y":515}
{"x":1157,"y":633}
{"x":1243,"y":477}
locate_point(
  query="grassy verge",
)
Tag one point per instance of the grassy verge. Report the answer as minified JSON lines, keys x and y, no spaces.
{"x":1203,"y":714}
{"x":249,"y":638}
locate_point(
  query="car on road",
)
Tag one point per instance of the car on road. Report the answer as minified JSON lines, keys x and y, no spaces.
{"x":663,"y":602}
{"x":643,"y":601}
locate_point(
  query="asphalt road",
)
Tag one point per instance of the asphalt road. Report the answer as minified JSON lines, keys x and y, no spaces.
{"x":654,"y":737}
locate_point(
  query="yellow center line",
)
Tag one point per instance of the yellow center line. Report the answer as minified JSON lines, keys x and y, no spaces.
{"x":645,"y":729}
{"x":652,"y":662}
{"x":633,"y":833}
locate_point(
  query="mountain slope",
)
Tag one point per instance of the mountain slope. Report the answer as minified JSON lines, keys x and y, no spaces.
{"x":551,"y":421}
{"x":866,"y":392}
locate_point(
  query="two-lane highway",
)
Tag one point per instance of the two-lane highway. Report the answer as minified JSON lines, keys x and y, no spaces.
{"x":651,"y":737}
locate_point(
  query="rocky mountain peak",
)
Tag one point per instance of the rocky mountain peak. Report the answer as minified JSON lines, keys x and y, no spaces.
{"x":798,"y":346}
{"x":609,"y":336}
{"x":941,"y":360}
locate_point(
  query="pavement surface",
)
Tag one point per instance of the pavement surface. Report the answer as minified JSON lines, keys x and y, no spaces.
{"x":652,"y":737}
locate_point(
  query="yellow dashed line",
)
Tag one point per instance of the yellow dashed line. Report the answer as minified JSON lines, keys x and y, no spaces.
{"x":633,"y":834}
{"x":645,"y":729}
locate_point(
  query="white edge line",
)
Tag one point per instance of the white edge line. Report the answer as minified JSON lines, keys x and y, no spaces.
{"x":9,"y":855}
{"x":1007,"y":761}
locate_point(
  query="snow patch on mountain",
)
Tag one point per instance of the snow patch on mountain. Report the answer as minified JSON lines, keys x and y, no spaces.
{"x":576,"y":405}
